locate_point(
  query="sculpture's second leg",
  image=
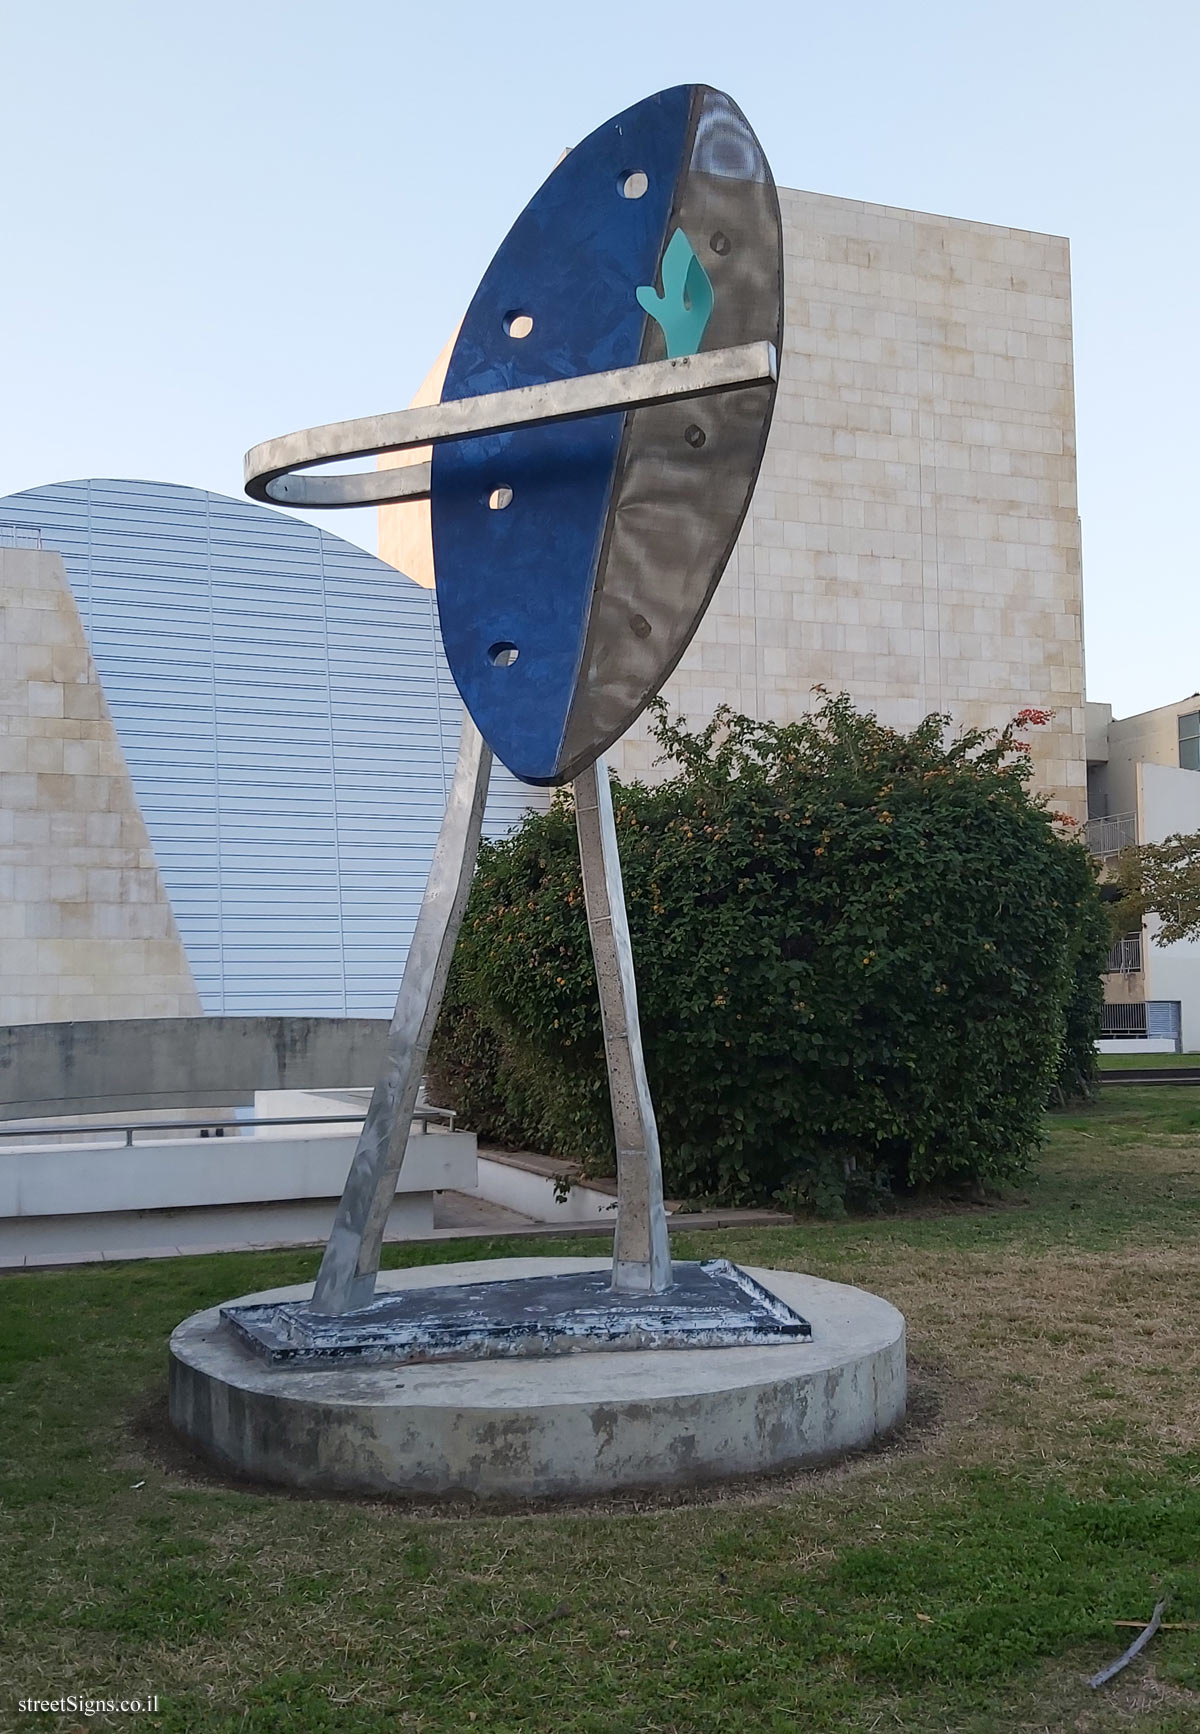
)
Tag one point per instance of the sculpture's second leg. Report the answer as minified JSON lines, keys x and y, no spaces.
{"x":641,"y":1253}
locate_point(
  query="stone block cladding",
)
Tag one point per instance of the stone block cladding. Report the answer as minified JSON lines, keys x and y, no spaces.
{"x":914,"y":537}
{"x":86,"y":930}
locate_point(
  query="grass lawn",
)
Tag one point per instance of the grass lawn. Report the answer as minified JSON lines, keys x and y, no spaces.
{"x":964,"y":1577}
{"x":1134,"y":1062}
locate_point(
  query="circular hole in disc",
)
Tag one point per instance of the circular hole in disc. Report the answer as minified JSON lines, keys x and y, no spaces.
{"x":720,"y":243}
{"x":503,"y":654}
{"x":634,"y":184}
{"x":518,"y":324}
{"x":499,"y":498}
{"x":639,"y":626}
{"x":695,"y":436}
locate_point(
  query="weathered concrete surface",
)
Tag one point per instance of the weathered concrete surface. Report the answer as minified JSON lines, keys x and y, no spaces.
{"x":558,"y":1427}
{"x":187,"y":1062}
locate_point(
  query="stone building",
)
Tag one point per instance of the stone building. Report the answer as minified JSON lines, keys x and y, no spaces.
{"x":1143,"y":788}
{"x":914,"y":537}
{"x":86,"y":930}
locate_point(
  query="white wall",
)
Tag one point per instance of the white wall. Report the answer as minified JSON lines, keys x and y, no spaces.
{"x":185,"y":1193}
{"x":519,"y":1186}
{"x":1152,"y":1045}
{"x":1149,"y":738}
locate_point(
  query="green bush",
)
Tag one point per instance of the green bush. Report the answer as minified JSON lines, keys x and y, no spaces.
{"x":865,"y":959}
{"x":1092,"y":940}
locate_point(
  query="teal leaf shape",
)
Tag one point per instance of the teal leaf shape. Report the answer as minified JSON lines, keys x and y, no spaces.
{"x":685,"y":306}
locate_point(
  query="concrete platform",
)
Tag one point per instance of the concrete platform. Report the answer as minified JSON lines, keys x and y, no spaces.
{"x":542,"y":1428}
{"x":67,"y":1200}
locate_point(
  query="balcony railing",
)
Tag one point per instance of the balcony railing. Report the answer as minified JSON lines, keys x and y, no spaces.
{"x":1154,"y":1020}
{"x":20,"y":536}
{"x":1125,"y":958}
{"x":1123,"y":1020}
{"x":1109,"y":836}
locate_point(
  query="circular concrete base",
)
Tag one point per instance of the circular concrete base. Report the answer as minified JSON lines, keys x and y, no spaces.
{"x":551,"y":1425}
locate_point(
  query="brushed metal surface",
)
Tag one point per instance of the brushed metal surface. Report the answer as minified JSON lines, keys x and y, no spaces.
{"x":370,"y":488}
{"x":641,"y":1253}
{"x":269,"y":466}
{"x":687,"y":471}
{"x":562,"y":617}
{"x":350,"y":1264}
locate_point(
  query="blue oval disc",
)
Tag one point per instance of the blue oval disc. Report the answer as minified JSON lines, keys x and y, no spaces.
{"x":575,"y":561}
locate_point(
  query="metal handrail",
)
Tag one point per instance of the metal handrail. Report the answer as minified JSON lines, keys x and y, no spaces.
{"x":1125,"y":958}
{"x":1123,"y":1019}
{"x":219,"y":1128}
{"x":20,"y":536}
{"x":1109,"y":835}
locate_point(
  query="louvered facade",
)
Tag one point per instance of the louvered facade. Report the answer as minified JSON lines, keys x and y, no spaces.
{"x":290,"y":728}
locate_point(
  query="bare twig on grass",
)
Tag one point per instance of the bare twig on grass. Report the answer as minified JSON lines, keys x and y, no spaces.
{"x":558,"y":1613}
{"x":1163,"y":1625}
{"x":1135,"y":1648}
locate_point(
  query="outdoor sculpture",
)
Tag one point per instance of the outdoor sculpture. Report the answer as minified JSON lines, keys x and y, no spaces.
{"x":603,"y":421}
{"x":605,"y":413}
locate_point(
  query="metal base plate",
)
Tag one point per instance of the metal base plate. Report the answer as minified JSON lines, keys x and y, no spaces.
{"x":712,"y":1305}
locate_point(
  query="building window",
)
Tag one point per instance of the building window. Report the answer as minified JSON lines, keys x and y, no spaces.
{"x":1189,"y":742}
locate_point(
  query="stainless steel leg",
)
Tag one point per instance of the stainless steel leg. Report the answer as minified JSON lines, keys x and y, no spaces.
{"x":347,"y":1276}
{"x":641,"y":1252}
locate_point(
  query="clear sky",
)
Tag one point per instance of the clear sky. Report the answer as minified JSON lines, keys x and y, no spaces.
{"x":223,"y":221}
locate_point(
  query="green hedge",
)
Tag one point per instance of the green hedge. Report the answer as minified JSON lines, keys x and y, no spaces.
{"x":865,"y":960}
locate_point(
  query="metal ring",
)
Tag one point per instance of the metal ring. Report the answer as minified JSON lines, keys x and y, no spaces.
{"x":271,"y":467}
